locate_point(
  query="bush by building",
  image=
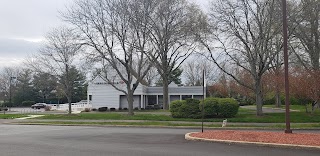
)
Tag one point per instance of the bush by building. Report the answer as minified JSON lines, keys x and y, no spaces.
{"x":102,"y":109}
{"x":213,"y":107}
{"x":228,"y":107}
{"x":188,"y":108}
{"x":175,"y":108}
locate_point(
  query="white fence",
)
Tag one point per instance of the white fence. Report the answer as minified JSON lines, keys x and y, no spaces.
{"x":79,"y":106}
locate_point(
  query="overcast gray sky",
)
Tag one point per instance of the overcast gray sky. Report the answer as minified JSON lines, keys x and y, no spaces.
{"x":25,"y":22}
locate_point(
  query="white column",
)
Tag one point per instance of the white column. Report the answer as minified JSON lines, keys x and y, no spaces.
{"x":180,"y":97}
{"x":146,"y":101}
{"x":157,"y":99}
{"x":141,"y":101}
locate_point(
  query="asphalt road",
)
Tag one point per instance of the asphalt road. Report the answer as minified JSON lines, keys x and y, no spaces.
{"x":18,"y":140}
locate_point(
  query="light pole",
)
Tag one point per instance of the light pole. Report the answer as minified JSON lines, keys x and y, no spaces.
{"x":10,"y":91}
{"x":203,"y":97}
{"x":3,"y":105}
{"x":286,"y":68}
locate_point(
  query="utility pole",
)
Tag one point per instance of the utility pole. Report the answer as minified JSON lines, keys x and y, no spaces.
{"x":286,"y":66}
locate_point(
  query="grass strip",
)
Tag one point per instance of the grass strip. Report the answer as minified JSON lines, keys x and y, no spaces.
{"x":296,"y":117}
{"x":11,"y":116}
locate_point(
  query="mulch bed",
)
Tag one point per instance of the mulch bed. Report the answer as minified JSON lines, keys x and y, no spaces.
{"x":309,"y":139}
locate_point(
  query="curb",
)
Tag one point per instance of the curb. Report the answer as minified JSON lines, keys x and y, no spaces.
{"x":152,"y":126}
{"x":189,"y":137}
{"x":141,"y":126}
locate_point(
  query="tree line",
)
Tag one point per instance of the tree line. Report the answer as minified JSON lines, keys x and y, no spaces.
{"x":23,"y":87}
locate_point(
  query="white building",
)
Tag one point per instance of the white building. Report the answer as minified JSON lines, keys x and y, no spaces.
{"x":102,"y":94}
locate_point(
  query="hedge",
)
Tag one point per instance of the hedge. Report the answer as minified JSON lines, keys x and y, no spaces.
{"x":190,"y":109}
{"x":28,"y":103}
{"x":228,"y":107}
{"x":213,"y":107}
{"x":175,"y":106}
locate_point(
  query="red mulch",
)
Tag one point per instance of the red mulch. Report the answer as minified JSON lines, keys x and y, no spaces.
{"x":265,"y":137}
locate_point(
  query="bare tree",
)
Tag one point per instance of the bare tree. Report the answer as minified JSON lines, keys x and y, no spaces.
{"x":8,"y":77}
{"x":151,"y":77}
{"x":306,"y":28}
{"x":57,"y":57}
{"x":306,"y":31}
{"x":242,"y":32}
{"x":116,"y":34}
{"x":193,"y":71}
{"x":170,"y":25}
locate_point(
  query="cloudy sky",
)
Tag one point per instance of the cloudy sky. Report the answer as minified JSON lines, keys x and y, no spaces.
{"x":25,"y":22}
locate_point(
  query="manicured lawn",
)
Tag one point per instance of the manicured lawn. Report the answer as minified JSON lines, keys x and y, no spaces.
{"x":11,"y":116}
{"x":292,"y":107}
{"x":296,"y":117}
{"x":246,"y":111}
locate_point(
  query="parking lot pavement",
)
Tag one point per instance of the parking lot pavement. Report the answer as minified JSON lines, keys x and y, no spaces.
{"x":28,"y":110}
{"x":17,"y":140}
{"x":23,"y":110}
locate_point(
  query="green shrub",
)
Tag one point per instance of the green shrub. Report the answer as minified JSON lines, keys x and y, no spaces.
{"x":102,"y":109}
{"x":270,"y":101}
{"x":28,"y":103}
{"x":174,"y":108}
{"x":211,"y":107}
{"x":228,"y":107}
{"x":190,"y":109}
{"x":245,"y":102}
{"x":7,"y":104}
{"x":220,"y":107}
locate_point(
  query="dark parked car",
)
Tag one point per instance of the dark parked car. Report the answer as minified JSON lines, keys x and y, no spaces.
{"x":5,"y":109}
{"x":38,"y":105}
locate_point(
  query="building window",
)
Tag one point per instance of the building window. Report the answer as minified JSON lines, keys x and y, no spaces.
{"x":160,"y":100}
{"x":199,"y":97}
{"x":186,"y":97}
{"x":90,"y":97}
{"x":152,"y":99}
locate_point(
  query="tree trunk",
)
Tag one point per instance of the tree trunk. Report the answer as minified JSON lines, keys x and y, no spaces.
{"x":278,"y":98}
{"x":69,"y":101}
{"x":314,"y":106}
{"x":306,"y":106}
{"x":130,"y":103}
{"x":165,"y":94}
{"x":259,"y":99}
